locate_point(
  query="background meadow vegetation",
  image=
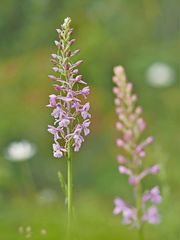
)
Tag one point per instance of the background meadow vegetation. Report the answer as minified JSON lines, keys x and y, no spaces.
{"x":135,"y":34}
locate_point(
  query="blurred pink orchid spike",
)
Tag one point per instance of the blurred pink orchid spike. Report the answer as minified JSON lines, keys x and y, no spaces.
{"x":130,"y":126}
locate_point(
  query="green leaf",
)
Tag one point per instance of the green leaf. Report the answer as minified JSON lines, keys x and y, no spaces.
{"x":63,"y":184}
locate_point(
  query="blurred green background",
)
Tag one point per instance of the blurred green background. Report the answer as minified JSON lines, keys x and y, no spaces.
{"x":135,"y":34}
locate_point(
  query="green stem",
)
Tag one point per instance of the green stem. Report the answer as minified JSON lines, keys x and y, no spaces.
{"x":139,"y":210}
{"x":69,"y":190}
{"x":29,"y":176}
{"x":141,"y":235}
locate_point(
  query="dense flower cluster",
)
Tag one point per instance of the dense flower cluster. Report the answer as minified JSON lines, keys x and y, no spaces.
{"x":71,"y":115}
{"x":131,"y":125}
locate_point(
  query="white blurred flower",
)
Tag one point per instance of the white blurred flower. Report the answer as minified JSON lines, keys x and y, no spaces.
{"x":26,"y":231}
{"x":160,"y":74}
{"x":43,"y":232}
{"x":21,"y":230}
{"x":47,"y":196}
{"x":20,"y":151}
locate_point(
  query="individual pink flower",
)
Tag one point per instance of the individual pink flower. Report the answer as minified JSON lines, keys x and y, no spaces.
{"x":129,"y":214}
{"x":151,"y":215}
{"x":58,"y":150}
{"x":119,"y":206}
{"x":153,"y":195}
{"x":84,"y":112}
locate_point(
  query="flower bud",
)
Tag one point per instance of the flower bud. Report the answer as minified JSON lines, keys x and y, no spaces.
{"x":120,"y":142}
{"x":53,"y":55}
{"x":125,"y":170}
{"x":66,"y":66}
{"x":121,"y":159}
{"x":57,"y":87}
{"x":58,"y":30}
{"x":119,"y":126}
{"x":78,"y":78}
{"x":52,"y":77}
{"x":155,"y":169}
{"x":138,"y":110}
{"x":53,"y":61}
{"x":129,"y":87}
{"x":117,"y":101}
{"x":118,"y":70}
{"x":55,"y":69}
{"x":75,"y":52}
{"x":133,"y":180}
{"x":72,"y":41}
{"x":149,"y":140}
{"x":57,"y":43}
{"x":77,"y":63}
{"x":75,"y":71}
